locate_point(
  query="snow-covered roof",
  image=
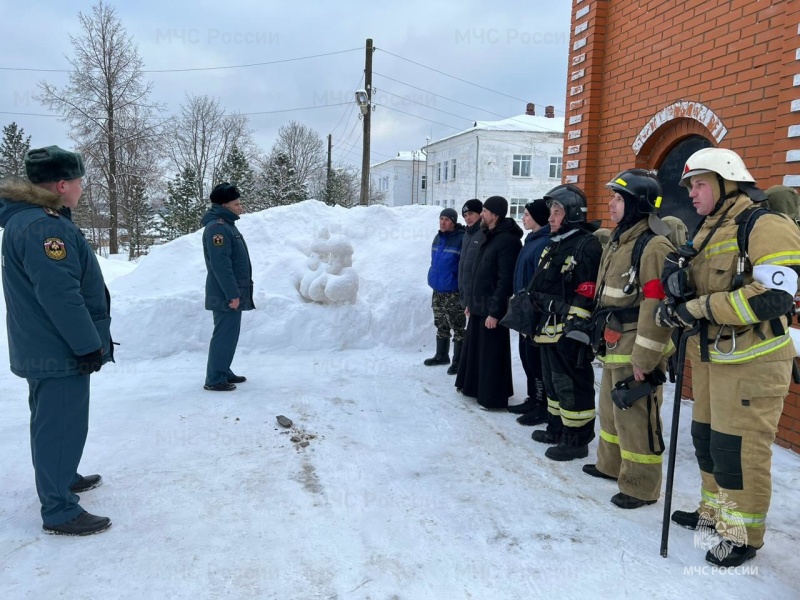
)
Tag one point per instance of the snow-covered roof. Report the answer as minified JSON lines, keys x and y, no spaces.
{"x":403,"y":156}
{"x":523,"y":123}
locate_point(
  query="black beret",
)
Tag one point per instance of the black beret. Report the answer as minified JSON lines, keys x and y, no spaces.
{"x":223,"y":193}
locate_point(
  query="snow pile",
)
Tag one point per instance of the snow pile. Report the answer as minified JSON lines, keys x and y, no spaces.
{"x":331,"y":278}
{"x":158,"y":309}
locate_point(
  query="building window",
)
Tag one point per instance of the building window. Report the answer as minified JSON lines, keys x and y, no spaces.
{"x":445,"y":170}
{"x":438,"y":172}
{"x":516,"y":207}
{"x":555,"y":167}
{"x":423,"y":181}
{"x":453,"y":169}
{"x":522,"y":165}
{"x":383,"y":184}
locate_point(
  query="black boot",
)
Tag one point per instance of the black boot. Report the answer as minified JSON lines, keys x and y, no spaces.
{"x":442,"y":353}
{"x":535,"y":416}
{"x":85,"y":483}
{"x":595,"y":472}
{"x":725,"y":554}
{"x":453,"y":370}
{"x":687,"y":519}
{"x":545,"y":437}
{"x":563,"y":452}
{"x":83,"y":524}
{"x":521,"y":409}
{"x":626,"y":501}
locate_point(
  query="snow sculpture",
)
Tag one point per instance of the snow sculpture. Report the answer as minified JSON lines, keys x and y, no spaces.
{"x":331,"y":278}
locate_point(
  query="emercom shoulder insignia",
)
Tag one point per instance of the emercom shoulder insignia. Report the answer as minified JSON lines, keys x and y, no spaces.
{"x":218,"y":239}
{"x":55,"y":248}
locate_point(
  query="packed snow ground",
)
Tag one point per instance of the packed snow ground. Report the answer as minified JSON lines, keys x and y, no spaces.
{"x":404,"y":490}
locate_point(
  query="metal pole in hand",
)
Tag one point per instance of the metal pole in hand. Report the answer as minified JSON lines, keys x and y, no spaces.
{"x":673,"y":434}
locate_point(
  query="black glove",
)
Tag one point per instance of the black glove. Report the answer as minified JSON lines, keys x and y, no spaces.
{"x":579,"y":330}
{"x":668,"y":315}
{"x":665,"y":315}
{"x":90,"y":363}
{"x":686,"y":318}
{"x":675,"y":279}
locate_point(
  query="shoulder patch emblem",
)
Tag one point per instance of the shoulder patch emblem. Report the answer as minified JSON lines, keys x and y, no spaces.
{"x":50,"y":212}
{"x":55,"y":248}
{"x":218,"y":239}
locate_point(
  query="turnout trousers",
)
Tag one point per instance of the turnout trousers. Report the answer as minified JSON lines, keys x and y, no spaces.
{"x":569,"y":385}
{"x":631,"y":442}
{"x":734,"y":421}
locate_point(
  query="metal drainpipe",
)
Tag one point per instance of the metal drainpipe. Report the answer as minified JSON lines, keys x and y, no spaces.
{"x":477,"y":155}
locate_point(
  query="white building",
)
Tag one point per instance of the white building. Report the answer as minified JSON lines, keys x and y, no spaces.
{"x":519,"y":158}
{"x":400,"y":180}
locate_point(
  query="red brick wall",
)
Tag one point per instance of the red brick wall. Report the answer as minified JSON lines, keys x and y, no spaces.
{"x":630,"y":59}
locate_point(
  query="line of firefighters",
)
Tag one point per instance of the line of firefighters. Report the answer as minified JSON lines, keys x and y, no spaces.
{"x":725,"y":298}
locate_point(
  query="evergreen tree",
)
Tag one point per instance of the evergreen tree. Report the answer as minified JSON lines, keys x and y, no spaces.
{"x":281,"y":185}
{"x":236,"y":171}
{"x":182,"y":210}
{"x":343,"y":189}
{"x":12,"y":151}
{"x":139,"y":220}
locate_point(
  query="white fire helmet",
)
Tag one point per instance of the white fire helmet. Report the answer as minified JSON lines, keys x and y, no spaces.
{"x":725,"y":163}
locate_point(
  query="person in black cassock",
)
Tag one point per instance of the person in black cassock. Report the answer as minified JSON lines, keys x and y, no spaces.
{"x":485,"y":368}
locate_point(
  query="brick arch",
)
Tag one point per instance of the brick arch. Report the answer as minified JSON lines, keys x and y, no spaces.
{"x":670,"y":124}
{"x":665,"y":138}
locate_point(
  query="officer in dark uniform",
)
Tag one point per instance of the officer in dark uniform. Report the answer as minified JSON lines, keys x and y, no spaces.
{"x":58,"y":327}
{"x":229,"y":284}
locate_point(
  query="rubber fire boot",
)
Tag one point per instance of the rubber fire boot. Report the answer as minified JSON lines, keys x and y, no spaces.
{"x":442,"y":353}
{"x":453,"y":370}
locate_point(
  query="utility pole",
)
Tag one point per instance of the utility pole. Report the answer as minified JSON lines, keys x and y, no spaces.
{"x":365,"y":152}
{"x":328,"y":200}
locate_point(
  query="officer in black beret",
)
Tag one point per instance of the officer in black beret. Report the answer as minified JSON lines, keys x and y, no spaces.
{"x":229,"y":284}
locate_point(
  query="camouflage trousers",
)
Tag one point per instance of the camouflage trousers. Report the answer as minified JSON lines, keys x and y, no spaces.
{"x":447,"y":315}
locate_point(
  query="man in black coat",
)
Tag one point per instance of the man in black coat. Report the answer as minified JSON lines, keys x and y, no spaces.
{"x":473,"y":236}
{"x":229,"y":284}
{"x":485,"y":369}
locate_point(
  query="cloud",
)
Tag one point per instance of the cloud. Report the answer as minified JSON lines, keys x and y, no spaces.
{"x":518,"y":50}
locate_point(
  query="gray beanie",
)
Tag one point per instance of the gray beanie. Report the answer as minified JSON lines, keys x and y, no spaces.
{"x":451,"y":214}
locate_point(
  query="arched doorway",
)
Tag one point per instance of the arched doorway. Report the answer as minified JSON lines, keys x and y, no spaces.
{"x":676,"y":200}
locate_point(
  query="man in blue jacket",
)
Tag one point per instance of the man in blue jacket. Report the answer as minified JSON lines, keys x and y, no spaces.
{"x":443,"y":278}
{"x":534,"y":410}
{"x":229,"y":284}
{"x":58,"y":327}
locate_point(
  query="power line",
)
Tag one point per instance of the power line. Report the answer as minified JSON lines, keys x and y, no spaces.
{"x":383,"y":91}
{"x":453,"y":76}
{"x":244,"y":66}
{"x":352,"y":107}
{"x":423,"y":118}
{"x":272,"y":112}
{"x":265,"y":112}
{"x":453,"y":100}
{"x":2,"y":112}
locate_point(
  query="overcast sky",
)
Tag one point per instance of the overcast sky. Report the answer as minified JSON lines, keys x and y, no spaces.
{"x":515,"y":48}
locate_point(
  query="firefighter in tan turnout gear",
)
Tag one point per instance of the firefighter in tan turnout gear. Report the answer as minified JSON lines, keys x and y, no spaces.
{"x":632,"y":348}
{"x":738,"y":288}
